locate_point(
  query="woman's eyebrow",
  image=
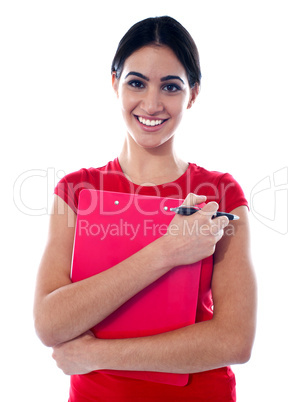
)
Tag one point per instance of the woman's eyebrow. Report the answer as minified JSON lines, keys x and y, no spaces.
{"x":137,"y":75}
{"x":172,"y":77}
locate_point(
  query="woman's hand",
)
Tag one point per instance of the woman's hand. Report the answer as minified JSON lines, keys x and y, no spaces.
{"x":192,"y":238}
{"x":76,"y":356}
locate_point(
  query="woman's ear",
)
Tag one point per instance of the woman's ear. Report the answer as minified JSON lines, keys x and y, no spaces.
{"x":115,"y":83}
{"x":193,"y":95}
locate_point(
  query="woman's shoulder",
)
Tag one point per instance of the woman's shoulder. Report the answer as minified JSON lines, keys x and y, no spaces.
{"x":89,"y":175}
{"x":70,"y":186}
{"x":211,"y":176}
{"x":217,"y":186}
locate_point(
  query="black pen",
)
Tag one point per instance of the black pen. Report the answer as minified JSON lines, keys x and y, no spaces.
{"x":185,"y":210}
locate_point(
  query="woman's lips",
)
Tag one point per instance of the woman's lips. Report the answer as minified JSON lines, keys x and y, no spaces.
{"x":150,"y":124}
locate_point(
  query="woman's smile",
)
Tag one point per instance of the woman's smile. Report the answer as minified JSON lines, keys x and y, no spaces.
{"x":150,"y":124}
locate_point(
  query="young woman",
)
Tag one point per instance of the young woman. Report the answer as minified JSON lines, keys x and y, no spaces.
{"x":156,"y":78}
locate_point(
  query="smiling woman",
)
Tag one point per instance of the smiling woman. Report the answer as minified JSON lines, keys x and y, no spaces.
{"x":156,"y":78}
{"x":155,"y":102}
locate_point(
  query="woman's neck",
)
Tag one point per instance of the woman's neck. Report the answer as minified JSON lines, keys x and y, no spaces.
{"x":151,"y":166}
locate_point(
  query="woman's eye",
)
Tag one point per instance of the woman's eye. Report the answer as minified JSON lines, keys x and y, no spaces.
{"x":136,"y":84}
{"x":171,"y":88}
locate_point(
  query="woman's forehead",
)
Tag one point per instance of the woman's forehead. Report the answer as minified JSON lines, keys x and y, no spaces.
{"x":154,"y":62}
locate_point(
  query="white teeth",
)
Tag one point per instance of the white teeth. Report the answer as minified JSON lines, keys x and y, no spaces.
{"x":149,"y":122}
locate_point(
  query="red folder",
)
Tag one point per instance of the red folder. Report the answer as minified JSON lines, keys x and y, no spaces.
{"x":111,"y":227}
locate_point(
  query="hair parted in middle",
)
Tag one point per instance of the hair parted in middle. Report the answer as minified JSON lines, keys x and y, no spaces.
{"x":160,"y":31}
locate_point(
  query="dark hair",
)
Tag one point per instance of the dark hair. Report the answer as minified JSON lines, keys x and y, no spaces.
{"x":160,"y":31}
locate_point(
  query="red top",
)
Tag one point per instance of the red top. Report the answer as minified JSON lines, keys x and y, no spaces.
{"x":219,"y":187}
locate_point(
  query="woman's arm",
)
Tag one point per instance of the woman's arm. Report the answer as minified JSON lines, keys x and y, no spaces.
{"x":226,"y":339}
{"x":64,"y":310}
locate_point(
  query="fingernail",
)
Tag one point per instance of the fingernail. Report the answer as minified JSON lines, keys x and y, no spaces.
{"x":225,"y":222}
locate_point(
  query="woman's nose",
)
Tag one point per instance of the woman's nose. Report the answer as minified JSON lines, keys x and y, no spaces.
{"x":152,"y":102}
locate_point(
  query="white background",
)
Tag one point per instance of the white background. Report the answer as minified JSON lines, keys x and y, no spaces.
{"x":58,"y":114}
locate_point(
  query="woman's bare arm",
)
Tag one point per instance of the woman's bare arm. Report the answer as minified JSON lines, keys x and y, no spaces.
{"x":64,"y":310}
{"x":226,"y":339}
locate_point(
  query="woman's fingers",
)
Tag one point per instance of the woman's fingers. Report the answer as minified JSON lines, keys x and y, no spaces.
{"x":194,"y":199}
{"x":195,"y":236}
{"x":209,"y":210}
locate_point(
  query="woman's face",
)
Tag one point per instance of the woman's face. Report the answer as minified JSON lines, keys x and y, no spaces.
{"x":154,"y":92}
